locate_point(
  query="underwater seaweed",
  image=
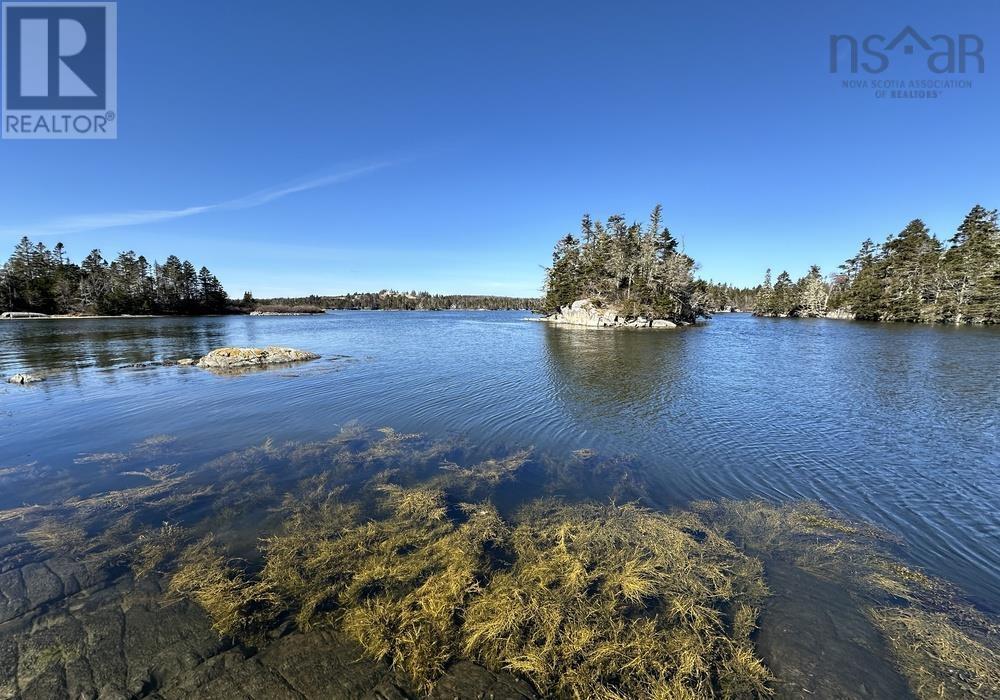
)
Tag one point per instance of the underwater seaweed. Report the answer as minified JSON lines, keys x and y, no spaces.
{"x":619,"y":601}
{"x":939,"y":658}
{"x":393,"y":540}
{"x":396,"y":585}
{"x":492,"y":471}
{"x":943,"y":645}
{"x":237,"y":605}
{"x":153,"y":548}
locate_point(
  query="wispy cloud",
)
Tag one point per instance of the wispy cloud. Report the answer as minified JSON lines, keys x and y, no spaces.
{"x":95,"y":222}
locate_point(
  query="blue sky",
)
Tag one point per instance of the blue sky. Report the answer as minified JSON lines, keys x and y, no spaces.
{"x":328,"y":147}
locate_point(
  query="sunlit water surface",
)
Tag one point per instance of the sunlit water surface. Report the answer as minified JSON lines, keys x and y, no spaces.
{"x":894,"y":424}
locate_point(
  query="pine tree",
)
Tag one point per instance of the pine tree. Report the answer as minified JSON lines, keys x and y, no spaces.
{"x":95,"y":285}
{"x":213,"y":297}
{"x":813,"y":293}
{"x":764,"y":304}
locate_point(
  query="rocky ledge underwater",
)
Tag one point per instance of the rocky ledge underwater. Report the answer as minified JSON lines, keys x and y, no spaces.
{"x":387,"y":565}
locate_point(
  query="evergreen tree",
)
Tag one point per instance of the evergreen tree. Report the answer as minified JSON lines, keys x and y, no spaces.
{"x":785,"y":295}
{"x":213,"y":296}
{"x":764,"y":305}
{"x":909,"y":260}
{"x":562,"y":281}
{"x":971,"y":270}
{"x":813,"y":293}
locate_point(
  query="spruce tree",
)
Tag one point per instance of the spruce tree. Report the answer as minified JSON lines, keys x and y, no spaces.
{"x":971,"y":268}
{"x":785,"y":295}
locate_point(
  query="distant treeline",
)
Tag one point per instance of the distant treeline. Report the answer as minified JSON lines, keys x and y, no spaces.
{"x":391,"y":300}
{"x":46,"y":281}
{"x":910,"y":277}
{"x":718,"y":296}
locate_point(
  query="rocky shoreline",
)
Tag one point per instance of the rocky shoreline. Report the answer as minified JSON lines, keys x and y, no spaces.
{"x":838,"y":314}
{"x":86,"y":629}
{"x":584,"y":312}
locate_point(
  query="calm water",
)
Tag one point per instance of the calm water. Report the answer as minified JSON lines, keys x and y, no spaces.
{"x":895,"y":424}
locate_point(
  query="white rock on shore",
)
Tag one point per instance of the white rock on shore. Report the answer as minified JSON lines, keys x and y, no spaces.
{"x":233,"y":358}
{"x":583,"y":312}
{"x":22,"y":314}
{"x":841,"y":314}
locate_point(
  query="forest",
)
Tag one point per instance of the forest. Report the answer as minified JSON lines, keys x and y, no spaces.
{"x":635,"y":268}
{"x":36,"y":278}
{"x":719,"y":296}
{"x":911,"y":277}
{"x":391,"y":300}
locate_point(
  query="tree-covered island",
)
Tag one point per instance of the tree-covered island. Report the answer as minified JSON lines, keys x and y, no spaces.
{"x":622,"y":274}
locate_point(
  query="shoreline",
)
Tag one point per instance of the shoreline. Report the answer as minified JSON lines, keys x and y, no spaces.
{"x":67,"y":317}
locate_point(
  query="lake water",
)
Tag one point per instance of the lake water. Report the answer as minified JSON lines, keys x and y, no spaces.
{"x":893,"y":424}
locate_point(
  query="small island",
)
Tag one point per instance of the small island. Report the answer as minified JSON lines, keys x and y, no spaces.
{"x":622,"y":275}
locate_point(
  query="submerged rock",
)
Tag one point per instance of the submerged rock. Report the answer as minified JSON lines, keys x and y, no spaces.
{"x":185,"y":362}
{"x":584,"y":312}
{"x":234,"y":358}
{"x":24,"y":379}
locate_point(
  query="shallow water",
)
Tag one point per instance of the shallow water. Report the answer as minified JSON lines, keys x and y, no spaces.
{"x":892,"y":424}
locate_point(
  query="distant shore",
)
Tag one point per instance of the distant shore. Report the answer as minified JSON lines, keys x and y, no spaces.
{"x":70,"y":317}
{"x":85,"y":317}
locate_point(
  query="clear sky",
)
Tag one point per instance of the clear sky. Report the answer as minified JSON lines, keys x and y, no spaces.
{"x":298,"y":147}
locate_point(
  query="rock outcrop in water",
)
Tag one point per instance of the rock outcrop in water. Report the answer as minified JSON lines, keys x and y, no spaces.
{"x":23,"y":379}
{"x":584,"y":312}
{"x":236,"y":358}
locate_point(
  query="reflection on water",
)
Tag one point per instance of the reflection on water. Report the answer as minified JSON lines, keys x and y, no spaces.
{"x":66,"y":346}
{"x":596,"y":373}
